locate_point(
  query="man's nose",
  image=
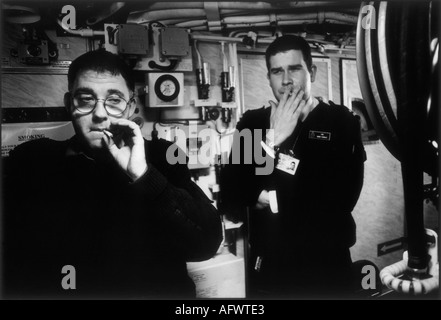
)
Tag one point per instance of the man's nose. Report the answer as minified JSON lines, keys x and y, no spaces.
{"x":287,"y":80}
{"x":100,"y":111}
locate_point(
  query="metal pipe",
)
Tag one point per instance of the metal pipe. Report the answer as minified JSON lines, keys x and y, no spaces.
{"x":303,"y":16}
{"x":82,"y":32}
{"x":214,"y":38}
{"x":200,"y":14}
{"x":225,"y":39}
{"x":414,"y":92}
{"x":240,"y":5}
{"x":265,"y":24}
{"x":192,"y":24}
{"x":201,"y":25}
{"x":266,"y":40}
{"x":140,"y":17}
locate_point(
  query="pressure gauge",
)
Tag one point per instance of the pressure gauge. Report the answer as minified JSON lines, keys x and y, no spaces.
{"x":167,"y":87}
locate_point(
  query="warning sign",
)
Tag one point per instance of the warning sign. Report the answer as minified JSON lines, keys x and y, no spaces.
{"x":14,"y":134}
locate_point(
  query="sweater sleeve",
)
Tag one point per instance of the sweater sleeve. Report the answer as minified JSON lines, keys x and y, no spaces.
{"x":240,"y":185}
{"x":180,"y":207}
{"x":355,"y":167}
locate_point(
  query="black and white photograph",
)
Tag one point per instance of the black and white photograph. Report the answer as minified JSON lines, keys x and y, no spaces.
{"x":219,"y":155}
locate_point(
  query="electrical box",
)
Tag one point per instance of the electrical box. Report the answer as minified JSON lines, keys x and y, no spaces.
{"x":174,"y":42}
{"x":150,"y":39}
{"x":165,"y":89}
{"x":34,"y":52}
{"x":133,"y":39}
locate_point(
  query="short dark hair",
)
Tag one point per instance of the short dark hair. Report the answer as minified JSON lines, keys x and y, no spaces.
{"x":286,"y":43}
{"x":100,"y":61}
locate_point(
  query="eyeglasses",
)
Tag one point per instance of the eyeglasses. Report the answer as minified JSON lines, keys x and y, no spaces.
{"x":114,"y":104}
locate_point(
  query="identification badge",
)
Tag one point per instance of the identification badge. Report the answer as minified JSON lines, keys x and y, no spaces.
{"x":287,"y":163}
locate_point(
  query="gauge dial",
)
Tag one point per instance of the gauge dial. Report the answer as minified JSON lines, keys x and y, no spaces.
{"x":167,"y":87}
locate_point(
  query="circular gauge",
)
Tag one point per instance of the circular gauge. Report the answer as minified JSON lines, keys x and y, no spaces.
{"x":167,"y":87}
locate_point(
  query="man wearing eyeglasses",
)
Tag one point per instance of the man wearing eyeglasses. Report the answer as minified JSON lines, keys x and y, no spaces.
{"x":103,"y":214}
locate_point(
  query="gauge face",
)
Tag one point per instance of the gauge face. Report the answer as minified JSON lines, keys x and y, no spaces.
{"x":167,"y":87}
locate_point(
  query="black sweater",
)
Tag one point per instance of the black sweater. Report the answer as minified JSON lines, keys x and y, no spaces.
{"x":125,"y":239}
{"x":315,"y":204}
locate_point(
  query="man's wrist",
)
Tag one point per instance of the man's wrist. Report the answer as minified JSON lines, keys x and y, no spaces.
{"x":270,"y":143}
{"x":272,"y":150}
{"x":139,"y":173}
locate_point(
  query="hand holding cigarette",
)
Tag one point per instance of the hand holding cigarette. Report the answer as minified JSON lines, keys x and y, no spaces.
{"x":126,"y":144}
{"x":291,"y":108}
{"x":108,"y":133}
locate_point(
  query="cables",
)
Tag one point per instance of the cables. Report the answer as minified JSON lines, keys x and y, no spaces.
{"x":81,"y":32}
{"x":170,"y":67}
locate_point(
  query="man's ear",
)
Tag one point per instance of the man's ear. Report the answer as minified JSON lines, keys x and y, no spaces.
{"x":132,"y":107}
{"x":313,"y":72}
{"x":67,"y":103}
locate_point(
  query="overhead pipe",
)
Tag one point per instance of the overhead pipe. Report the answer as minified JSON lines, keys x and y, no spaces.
{"x":268,"y":40}
{"x":278,"y":5}
{"x":260,"y":34}
{"x":162,"y":15}
{"x":199,"y":14}
{"x":174,"y":21}
{"x":267,"y":24}
{"x":240,"y":5}
{"x":267,"y":20}
{"x":280,"y":23}
{"x":202,"y":25}
{"x":317,"y":16}
{"x":81,"y":32}
{"x":142,"y":17}
{"x":192,"y":24}
{"x":224,"y":39}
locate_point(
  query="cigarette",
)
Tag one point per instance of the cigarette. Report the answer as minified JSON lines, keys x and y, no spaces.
{"x":108,"y":133}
